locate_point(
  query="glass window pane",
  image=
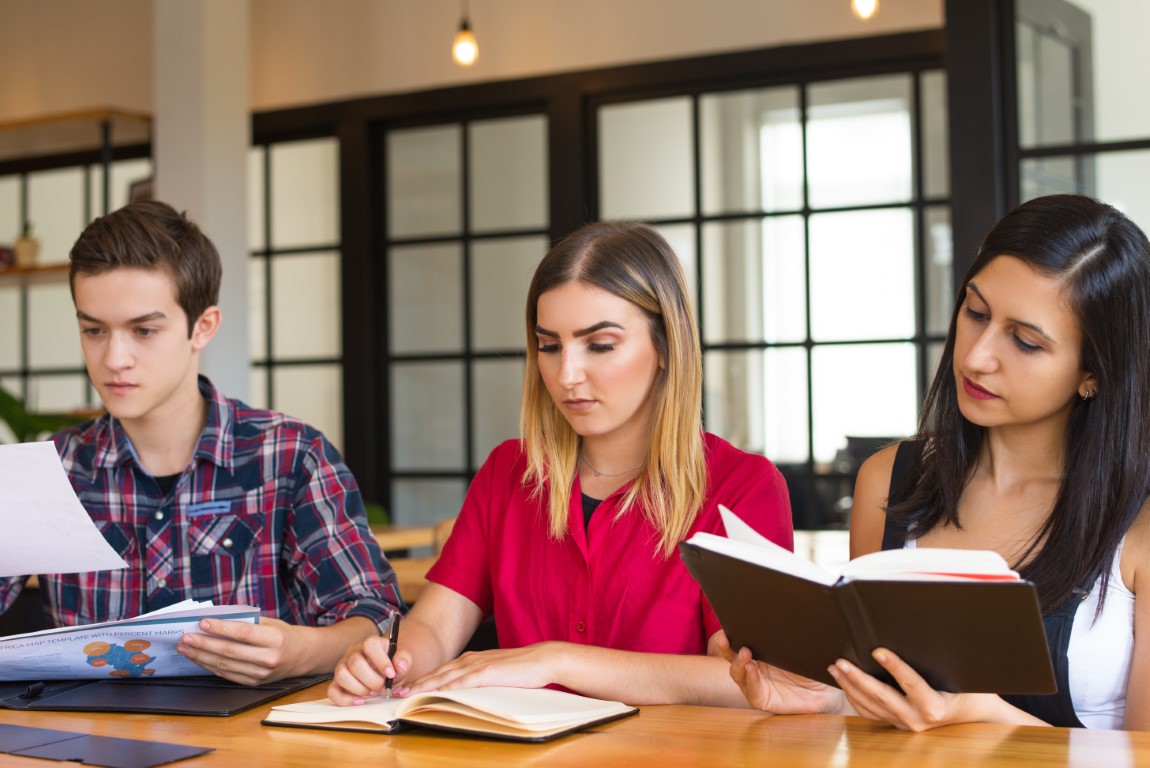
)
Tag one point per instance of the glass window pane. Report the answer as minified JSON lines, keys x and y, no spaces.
{"x":859,"y":141}
{"x":10,"y":224}
{"x":124,"y":174}
{"x":427,"y":415}
{"x":1122,"y":183}
{"x":646,"y":169}
{"x":256,"y":198}
{"x":56,"y":211}
{"x":1049,"y":176}
{"x":940,"y":290}
{"x":862,"y":275}
{"x":509,"y":173}
{"x":314,"y":394}
{"x":308,"y":281}
{"x":257,"y":308}
{"x":305,"y":193}
{"x":1046,"y":99}
{"x":258,"y":387}
{"x":757,"y":399}
{"x":53,"y":334}
{"x":57,"y":393}
{"x":752,"y":151}
{"x":497,"y":387}
{"x":849,"y":401}
{"x":426,"y":298}
{"x":681,"y":238}
{"x":426,"y":502}
{"x":755,"y":280}
{"x":424,"y":172}
{"x":935,"y":135}
{"x":501,"y":273}
{"x":10,"y":327}
{"x":1119,"y":49}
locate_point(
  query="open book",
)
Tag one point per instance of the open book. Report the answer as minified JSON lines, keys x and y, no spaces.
{"x":519,"y":714}
{"x":961,"y":618}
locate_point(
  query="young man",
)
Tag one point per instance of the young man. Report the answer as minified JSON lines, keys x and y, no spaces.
{"x":204,"y":497}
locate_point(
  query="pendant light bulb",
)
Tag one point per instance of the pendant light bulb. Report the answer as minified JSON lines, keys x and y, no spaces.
{"x":864,"y":9}
{"x":464,"y":50}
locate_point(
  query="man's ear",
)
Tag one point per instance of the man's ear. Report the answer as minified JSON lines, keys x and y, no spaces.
{"x":205,"y":327}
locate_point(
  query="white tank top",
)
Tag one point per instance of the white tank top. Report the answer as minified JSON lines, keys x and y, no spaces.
{"x":1100,"y":651}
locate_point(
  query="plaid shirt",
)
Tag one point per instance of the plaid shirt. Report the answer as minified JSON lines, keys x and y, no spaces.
{"x":266,"y":514}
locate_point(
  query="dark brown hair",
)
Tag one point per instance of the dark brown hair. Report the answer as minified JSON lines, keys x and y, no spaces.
{"x":152,"y":235}
{"x":1103,"y":261}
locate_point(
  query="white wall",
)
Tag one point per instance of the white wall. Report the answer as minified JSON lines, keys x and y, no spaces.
{"x":62,"y":55}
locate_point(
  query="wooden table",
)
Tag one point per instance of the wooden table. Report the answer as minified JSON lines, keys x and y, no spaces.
{"x":667,"y":737}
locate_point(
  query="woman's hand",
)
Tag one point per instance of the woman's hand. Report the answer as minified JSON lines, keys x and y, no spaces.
{"x":364,"y":670}
{"x":533,"y":666}
{"x":918,"y":707}
{"x":775,"y":690}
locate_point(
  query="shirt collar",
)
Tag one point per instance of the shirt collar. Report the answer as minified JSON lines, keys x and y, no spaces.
{"x":216,"y":445}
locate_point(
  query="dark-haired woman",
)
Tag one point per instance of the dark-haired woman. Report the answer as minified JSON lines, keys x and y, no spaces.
{"x":1035,"y":443}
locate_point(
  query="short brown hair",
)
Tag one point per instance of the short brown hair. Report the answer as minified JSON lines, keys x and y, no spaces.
{"x":152,"y":235}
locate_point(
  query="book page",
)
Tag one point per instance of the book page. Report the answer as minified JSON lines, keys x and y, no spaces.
{"x":930,"y":562}
{"x":521,"y":709}
{"x":378,"y":710}
{"x":768,"y":555}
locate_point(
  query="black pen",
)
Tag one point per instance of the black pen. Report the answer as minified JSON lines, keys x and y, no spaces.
{"x":392,"y":639}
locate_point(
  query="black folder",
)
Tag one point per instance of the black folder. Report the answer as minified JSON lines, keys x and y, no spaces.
{"x":961,"y":636}
{"x":207,"y":695}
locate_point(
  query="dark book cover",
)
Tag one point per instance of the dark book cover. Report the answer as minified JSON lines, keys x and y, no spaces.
{"x":961,"y":636}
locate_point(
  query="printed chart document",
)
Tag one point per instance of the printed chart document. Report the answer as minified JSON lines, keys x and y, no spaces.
{"x":48,"y":529}
{"x":141,"y":647}
{"x":518,"y":714}
{"x":961,"y":618}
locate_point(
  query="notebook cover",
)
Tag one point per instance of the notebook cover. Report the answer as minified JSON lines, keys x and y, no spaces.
{"x":211,"y":696}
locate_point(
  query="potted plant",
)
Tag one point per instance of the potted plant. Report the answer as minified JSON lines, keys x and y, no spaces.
{"x":26,"y":425}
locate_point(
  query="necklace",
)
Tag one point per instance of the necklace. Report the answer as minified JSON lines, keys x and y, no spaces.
{"x":590,"y":466}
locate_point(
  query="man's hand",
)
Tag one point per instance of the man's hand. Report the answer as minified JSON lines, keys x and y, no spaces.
{"x":251,"y":653}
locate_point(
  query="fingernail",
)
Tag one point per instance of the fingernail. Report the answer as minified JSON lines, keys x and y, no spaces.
{"x":879,"y":655}
{"x":843,"y":665}
{"x":357,"y":701}
{"x":834,"y":671}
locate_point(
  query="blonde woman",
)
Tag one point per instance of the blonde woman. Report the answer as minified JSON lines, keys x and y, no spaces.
{"x":568,"y":536}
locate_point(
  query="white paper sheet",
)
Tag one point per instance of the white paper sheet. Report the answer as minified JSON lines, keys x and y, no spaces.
{"x":43,"y":526}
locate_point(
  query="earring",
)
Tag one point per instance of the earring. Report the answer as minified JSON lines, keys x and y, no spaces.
{"x":1088,"y":394}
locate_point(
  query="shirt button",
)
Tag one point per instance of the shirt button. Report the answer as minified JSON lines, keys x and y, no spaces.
{"x":161,"y":583}
{"x":580,"y":627}
{"x":159,"y":515}
{"x":227,"y":543}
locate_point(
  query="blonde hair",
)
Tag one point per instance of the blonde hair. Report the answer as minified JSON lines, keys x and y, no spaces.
{"x":634,"y":262}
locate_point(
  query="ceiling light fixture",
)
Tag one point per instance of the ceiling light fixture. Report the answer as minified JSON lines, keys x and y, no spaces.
{"x":464,"y":50}
{"x":864,"y":9}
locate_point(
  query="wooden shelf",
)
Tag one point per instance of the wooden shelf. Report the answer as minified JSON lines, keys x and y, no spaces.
{"x":43,"y":273}
{"x":72,"y":132}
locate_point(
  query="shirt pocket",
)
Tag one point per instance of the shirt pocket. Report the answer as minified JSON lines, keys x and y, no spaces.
{"x":121,"y":538}
{"x":219,"y":545}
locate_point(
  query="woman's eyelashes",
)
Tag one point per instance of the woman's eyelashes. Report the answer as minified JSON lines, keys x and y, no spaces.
{"x":553,"y":347}
{"x":981,"y":317}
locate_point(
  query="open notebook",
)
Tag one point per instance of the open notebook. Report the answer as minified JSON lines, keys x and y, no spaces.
{"x":519,"y":714}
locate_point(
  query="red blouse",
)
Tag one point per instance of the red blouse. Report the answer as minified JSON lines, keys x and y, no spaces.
{"x":606,"y":586}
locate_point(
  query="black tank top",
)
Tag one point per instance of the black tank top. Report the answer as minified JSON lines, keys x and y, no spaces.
{"x":1055,"y":708}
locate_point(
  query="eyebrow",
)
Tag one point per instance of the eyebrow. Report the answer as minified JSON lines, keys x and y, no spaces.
{"x":151,"y":316}
{"x":1036,"y":328}
{"x":582,"y":331}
